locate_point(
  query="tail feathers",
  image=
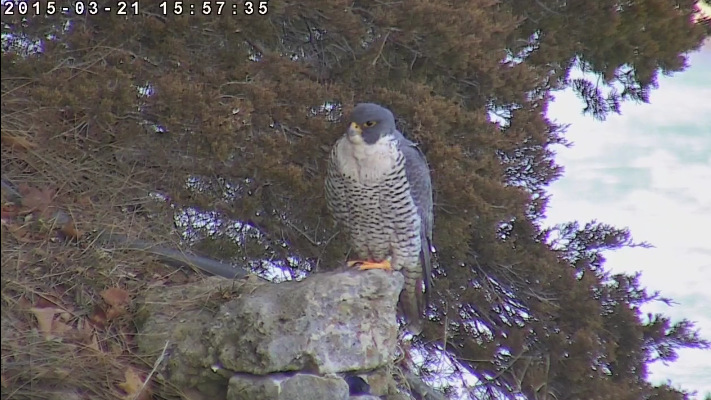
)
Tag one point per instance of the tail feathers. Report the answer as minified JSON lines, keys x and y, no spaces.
{"x":412,"y":303}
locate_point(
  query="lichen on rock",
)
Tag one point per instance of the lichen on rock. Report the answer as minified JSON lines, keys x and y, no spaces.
{"x":223,"y":334}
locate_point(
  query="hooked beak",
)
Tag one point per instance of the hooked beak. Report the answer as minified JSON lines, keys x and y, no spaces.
{"x":354,"y":130}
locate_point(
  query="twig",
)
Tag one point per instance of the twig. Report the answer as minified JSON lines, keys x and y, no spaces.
{"x":313,"y":242}
{"x":382,"y":46}
{"x":153,"y":371}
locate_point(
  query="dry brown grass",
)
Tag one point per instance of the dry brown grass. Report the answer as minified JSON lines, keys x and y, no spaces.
{"x":67,"y":327}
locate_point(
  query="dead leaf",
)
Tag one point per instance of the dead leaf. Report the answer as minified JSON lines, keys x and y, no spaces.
{"x":85,"y":200}
{"x":98,"y":317}
{"x":133,"y":386}
{"x":18,"y":142}
{"x":23,"y":303}
{"x":116,"y":296}
{"x":53,"y":322}
{"x":49,"y":300}
{"x":34,"y":199}
{"x":85,"y":334}
{"x":92,"y":342}
{"x":115,"y":312}
{"x":60,"y":328}
{"x":45,"y":320}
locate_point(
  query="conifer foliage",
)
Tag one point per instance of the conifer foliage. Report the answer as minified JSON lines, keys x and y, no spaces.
{"x":228,"y":119}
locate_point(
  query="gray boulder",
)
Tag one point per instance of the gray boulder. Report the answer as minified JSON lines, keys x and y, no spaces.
{"x":249,"y":330}
{"x":285,"y":387}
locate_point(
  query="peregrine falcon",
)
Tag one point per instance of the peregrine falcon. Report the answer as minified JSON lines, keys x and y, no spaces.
{"x":378,"y":189}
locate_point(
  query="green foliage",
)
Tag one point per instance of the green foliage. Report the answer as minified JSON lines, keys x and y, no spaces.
{"x":232,"y":116}
{"x":624,"y":44}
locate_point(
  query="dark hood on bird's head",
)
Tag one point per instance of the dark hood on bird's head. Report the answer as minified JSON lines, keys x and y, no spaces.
{"x":371,"y":121}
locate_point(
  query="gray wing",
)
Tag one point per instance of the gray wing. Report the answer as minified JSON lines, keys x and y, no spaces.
{"x":336,"y":191}
{"x":418,"y":176}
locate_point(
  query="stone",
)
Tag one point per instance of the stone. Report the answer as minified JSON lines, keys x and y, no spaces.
{"x":213,"y":330}
{"x":286,"y":387}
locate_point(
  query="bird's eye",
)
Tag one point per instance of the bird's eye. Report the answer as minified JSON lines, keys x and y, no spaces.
{"x":368,"y":124}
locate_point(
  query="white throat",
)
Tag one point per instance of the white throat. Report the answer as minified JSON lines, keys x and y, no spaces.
{"x":367,"y":163}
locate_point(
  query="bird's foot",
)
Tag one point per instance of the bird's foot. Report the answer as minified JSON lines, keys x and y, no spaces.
{"x":365,"y":265}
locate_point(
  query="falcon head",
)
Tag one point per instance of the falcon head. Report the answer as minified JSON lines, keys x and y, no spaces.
{"x":370,"y":122}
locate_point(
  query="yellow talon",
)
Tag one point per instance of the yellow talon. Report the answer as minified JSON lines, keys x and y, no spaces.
{"x":365,"y":265}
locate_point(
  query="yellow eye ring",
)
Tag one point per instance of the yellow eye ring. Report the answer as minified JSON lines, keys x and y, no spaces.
{"x":368,"y":124}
